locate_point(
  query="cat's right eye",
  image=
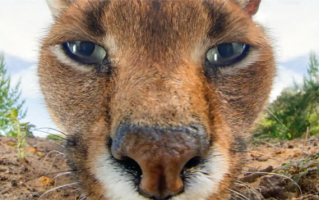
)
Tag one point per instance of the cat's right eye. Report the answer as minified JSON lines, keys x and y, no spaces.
{"x":84,"y":52}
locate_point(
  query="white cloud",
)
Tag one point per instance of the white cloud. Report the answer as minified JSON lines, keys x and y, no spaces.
{"x":29,"y":82}
{"x":292,"y":24}
{"x":22,"y":25}
{"x":284,"y":78}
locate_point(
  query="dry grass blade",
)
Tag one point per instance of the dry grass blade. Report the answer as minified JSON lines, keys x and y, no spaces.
{"x":279,"y":121}
{"x":283,"y":176}
{"x":62,"y":186}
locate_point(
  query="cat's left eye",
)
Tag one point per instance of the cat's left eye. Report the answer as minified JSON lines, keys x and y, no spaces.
{"x":84,"y":52}
{"x":226,"y":54}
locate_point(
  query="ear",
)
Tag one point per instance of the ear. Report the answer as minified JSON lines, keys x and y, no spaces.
{"x":57,"y":6}
{"x":252,"y":6}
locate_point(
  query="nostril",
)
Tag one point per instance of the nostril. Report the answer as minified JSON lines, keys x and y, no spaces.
{"x":130,"y":164}
{"x":195,"y":161}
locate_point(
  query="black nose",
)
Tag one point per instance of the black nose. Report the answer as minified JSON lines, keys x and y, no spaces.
{"x":161,"y":154}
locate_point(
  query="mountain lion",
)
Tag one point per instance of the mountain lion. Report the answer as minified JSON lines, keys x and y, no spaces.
{"x":155,"y":96}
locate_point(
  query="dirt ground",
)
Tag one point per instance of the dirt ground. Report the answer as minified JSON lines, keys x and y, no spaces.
{"x":281,"y":170}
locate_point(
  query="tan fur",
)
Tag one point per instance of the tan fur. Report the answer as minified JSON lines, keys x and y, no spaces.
{"x":157,"y":77}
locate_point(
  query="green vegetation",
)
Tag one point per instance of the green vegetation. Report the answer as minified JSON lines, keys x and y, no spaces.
{"x":20,"y":129}
{"x":9,"y":100}
{"x":295,"y":110}
{"x":58,"y":137}
{"x":300,"y":170}
{"x":11,"y":111}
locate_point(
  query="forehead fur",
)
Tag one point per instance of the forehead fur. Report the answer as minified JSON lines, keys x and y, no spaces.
{"x":153,"y":24}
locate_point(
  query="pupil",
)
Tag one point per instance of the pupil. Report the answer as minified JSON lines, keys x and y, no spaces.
{"x":86,"y":48}
{"x":226,"y":50}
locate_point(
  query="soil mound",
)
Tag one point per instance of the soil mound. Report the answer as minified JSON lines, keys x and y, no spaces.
{"x":282,"y":170}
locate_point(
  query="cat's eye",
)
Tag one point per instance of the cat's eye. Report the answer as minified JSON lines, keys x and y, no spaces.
{"x":84,"y":52}
{"x":227,"y":54}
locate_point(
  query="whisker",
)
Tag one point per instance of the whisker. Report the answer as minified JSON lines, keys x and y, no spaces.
{"x":83,"y":198}
{"x":46,"y":156}
{"x":53,"y":143}
{"x":48,"y":128}
{"x":248,"y":187}
{"x":62,"y":186}
{"x":57,"y":172}
{"x":54,"y":161}
{"x":58,"y":175}
{"x":54,"y":135}
{"x":239,"y":195}
{"x":49,"y":174}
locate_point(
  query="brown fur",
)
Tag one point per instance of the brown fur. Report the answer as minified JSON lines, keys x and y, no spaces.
{"x":157,"y":76}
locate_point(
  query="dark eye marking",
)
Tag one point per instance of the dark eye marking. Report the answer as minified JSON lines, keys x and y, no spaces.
{"x":218,"y":16}
{"x":94,"y":17}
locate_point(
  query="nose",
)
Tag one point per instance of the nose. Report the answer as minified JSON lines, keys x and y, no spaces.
{"x":161,"y":154}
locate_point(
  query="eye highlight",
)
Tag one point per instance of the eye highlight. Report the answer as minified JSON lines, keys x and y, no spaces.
{"x":84,"y":52}
{"x":227,"y":54}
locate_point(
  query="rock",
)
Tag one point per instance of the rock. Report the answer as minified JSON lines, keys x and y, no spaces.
{"x":3,"y":178}
{"x":273,"y":186}
{"x":278,"y":151}
{"x":253,"y":169}
{"x":10,"y":143}
{"x":254,"y":176}
{"x":263,"y":159}
{"x":255,"y":155}
{"x":36,"y":194}
{"x":46,"y":180}
{"x":247,"y":192}
{"x":296,"y":154}
{"x":249,"y":178}
{"x":290,"y":146}
{"x":14,"y":183}
{"x":23,"y":169}
{"x":267,"y":169}
{"x":32,"y":150}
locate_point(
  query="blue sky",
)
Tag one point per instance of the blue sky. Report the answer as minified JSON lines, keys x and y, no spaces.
{"x":292,"y":25}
